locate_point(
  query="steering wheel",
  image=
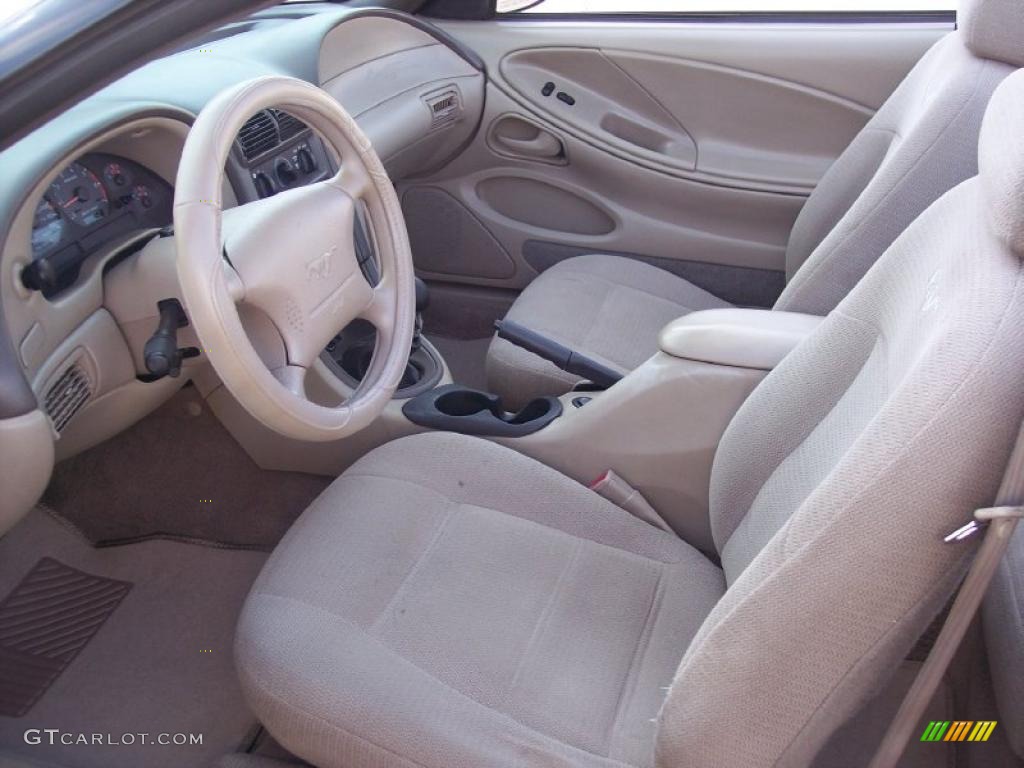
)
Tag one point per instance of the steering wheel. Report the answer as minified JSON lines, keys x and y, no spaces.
{"x":293,"y":256}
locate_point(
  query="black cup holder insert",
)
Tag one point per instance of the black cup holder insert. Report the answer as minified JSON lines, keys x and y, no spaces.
{"x":455,"y":408}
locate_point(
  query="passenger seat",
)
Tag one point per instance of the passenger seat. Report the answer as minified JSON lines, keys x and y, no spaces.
{"x":922,"y":142}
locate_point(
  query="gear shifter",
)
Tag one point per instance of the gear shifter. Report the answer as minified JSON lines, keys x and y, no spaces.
{"x":422,"y":302}
{"x":350,"y":353}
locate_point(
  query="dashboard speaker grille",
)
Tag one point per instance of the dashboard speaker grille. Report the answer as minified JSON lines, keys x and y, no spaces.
{"x":67,"y":396}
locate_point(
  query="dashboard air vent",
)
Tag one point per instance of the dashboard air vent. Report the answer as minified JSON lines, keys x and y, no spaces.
{"x":288,"y":125}
{"x":66,"y":396}
{"x":445,"y":108}
{"x":258,"y":135}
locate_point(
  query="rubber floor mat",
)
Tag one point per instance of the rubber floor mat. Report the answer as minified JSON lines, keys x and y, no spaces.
{"x":45,"y":621}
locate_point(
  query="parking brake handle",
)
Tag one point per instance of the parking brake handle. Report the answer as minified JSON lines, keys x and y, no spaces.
{"x":567,"y":359}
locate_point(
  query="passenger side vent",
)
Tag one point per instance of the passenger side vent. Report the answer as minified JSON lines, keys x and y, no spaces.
{"x":289,"y":126}
{"x":258,"y":135}
{"x":67,"y":396}
{"x":445,"y":108}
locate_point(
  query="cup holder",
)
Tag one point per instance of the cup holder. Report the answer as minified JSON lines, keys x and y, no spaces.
{"x":463,"y":402}
{"x":455,"y":408}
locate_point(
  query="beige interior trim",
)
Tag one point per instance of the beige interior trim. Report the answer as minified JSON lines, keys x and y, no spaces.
{"x":748,"y":338}
{"x":797,"y":133}
{"x":387,"y":74}
{"x":683,"y":94}
{"x":26,"y":462}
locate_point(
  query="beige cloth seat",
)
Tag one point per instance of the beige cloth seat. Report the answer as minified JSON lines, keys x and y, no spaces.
{"x":442,"y":574}
{"x":922,"y":142}
{"x":449,"y":603}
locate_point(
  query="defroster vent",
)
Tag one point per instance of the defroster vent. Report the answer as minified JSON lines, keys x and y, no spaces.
{"x":66,"y":396}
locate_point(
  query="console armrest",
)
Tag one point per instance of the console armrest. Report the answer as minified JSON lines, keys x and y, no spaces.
{"x":745,"y":338}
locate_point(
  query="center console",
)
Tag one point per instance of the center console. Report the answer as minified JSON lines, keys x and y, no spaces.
{"x":276,"y":151}
{"x":657,"y":428}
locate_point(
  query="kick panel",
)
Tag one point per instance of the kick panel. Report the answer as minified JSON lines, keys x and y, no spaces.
{"x":447,"y":239}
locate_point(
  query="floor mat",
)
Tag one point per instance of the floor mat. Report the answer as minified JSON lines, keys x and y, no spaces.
{"x":178,"y":473}
{"x":161,"y":662}
{"x":45,"y":621}
{"x":465,"y":359}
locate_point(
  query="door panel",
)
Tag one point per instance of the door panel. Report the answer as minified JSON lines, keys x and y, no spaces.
{"x":701,"y":120}
{"x":692,"y":146}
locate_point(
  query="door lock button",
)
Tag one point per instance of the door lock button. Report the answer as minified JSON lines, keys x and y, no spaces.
{"x":565,"y":98}
{"x":548,"y":89}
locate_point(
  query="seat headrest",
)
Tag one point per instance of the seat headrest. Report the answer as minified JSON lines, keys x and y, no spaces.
{"x":993,"y":29}
{"x":1001,"y":160}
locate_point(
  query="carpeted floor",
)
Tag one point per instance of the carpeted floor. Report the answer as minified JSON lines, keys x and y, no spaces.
{"x":178,"y":473}
{"x":160,"y":663}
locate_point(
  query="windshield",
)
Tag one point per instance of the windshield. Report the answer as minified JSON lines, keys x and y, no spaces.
{"x":711,"y":6}
{"x":29,"y":28}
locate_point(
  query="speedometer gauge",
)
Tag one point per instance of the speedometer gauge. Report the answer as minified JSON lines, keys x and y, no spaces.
{"x":47,"y":227}
{"x":81,"y":195}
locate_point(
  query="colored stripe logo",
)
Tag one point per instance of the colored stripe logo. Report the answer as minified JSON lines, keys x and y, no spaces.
{"x":958,"y":730}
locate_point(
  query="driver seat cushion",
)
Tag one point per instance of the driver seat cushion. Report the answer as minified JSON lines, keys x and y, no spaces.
{"x":450,"y":602}
{"x":608,"y":307}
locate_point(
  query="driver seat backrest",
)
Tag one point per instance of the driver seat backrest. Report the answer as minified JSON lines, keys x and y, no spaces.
{"x":836,"y":481}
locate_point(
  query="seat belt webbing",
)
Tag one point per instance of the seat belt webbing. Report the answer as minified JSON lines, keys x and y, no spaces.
{"x":999,"y":523}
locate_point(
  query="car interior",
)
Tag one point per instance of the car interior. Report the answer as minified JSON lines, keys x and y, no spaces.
{"x":459,"y":384}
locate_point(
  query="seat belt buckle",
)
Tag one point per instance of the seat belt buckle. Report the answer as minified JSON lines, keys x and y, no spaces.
{"x":622,"y":494}
{"x":982,"y":517}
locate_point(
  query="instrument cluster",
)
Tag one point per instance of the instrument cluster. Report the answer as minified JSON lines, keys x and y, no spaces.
{"x":93,"y":201}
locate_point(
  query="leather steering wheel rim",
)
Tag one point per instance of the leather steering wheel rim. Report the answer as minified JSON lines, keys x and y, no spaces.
{"x":293,"y":257}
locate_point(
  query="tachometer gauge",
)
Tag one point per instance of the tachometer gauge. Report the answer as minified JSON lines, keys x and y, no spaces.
{"x":81,"y":195}
{"x":47,"y":227}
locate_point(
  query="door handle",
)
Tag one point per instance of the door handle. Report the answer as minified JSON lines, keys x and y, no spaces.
{"x":517,"y":136}
{"x":542,"y":145}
